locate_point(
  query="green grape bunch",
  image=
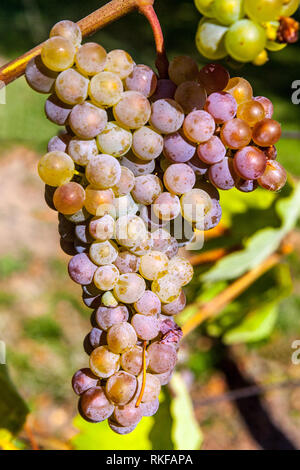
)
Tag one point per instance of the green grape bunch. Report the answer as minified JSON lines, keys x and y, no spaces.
{"x":245,"y":30}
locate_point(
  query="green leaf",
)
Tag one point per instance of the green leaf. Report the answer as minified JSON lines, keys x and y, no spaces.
{"x":13,"y":409}
{"x":101,"y":437}
{"x":186,"y":433}
{"x":256,"y":326}
{"x":259,"y":246}
{"x":289,"y":151}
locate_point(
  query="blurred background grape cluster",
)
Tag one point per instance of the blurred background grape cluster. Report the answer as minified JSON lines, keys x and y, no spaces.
{"x":43,"y":321}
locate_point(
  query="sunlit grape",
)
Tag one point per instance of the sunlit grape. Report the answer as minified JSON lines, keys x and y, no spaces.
{"x":69,"y":198}
{"x":146,"y":327}
{"x":152,"y":264}
{"x":103,"y":253}
{"x":130,"y":229}
{"x":176,"y":306}
{"x":177,"y":148}
{"x":181,"y":269}
{"x":127,"y":262}
{"x":289,"y":7}
{"x":210,"y":39}
{"x":125,"y":184}
{"x":199,"y":126}
{"x":205,"y":7}
{"x":68,"y":30}
{"x":143,"y":246}
{"x":274,"y":177}
{"x":251,"y":112}
{"x":245,"y":39}
{"x":166,"y":287}
{"x":166,"y":116}
{"x":104,"y":362}
{"x":266,"y":132}
{"x":121,"y":387}
{"x":120,"y":63}
{"x":82,"y":151}
{"x":133,"y":110}
{"x":132,"y":360}
{"x":130,"y":288}
{"x":194,"y":205}
{"x":90,"y":58}
{"x":146,"y":189}
{"x":99,"y":202}
{"x":94,"y":406}
{"x":121,"y":337}
{"x":56,"y":168}
{"x":125,"y":205}
{"x":249,"y":163}
{"x":222,"y":106}
{"x":106,"y":277}
{"x":267,"y":105}
{"x":236,"y":134}
{"x":58,"y":54}
{"x":221,"y":174}
{"x":87,"y":121}
{"x":142,"y":79}
{"x":147,"y":144}
{"x":166,"y":206}
{"x":107,"y":317}
{"x":228,"y":11}
{"x":149,"y":304}
{"x":128,"y":415}
{"x":81,"y":269}
{"x":103,"y":171}
{"x":263,"y":10}
{"x":240,"y":89}
{"x":179,"y":178}
{"x":152,"y":387}
{"x":162,"y":357}
{"x":105,"y":89}
{"x":118,"y":429}
{"x":212,"y":151}
{"x":71,"y":87}
{"x":183,"y":69}
{"x":114,"y":140}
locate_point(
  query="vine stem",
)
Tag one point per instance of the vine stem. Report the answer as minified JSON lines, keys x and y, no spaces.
{"x":100,"y":18}
{"x":139,"y":400}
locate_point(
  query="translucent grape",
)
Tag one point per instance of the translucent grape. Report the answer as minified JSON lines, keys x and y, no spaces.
{"x":59,"y":143}
{"x":289,"y":7}
{"x":165,"y":89}
{"x":146,"y":189}
{"x":236,"y":134}
{"x":82,"y":151}
{"x":152,"y":388}
{"x":98,"y":202}
{"x":266,"y":132}
{"x":95,"y":406}
{"x":127,"y":262}
{"x":181,"y":269}
{"x":240,"y":89}
{"x":39,"y":77}
{"x":251,"y":112}
{"x":179,"y":178}
{"x":222,"y":106}
{"x":143,"y":246}
{"x":114,"y":140}
{"x":104,"y":362}
{"x":212,"y":151}
{"x":106,"y":89}
{"x":214,"y":78}
{"x":274,"y":177}
{"x":71,"y":87}
{"x":142,"y":79}
{"x":121,"y":387}
{"x":245,"y":39}
{"x":133,"y":110}
{"x":68,"y":30}
{"x":57,"y":111}
{"x":130,"y":288}
{"x":128,"y":415}
{"x":177,"y":148}
{"x":162,"y":357}
{"x":176,"y":306}
{"x":249,"y":163}
{"x":106,"y":277}
{"x":130,"y":229}
{"x":205,"y":7}
{"x":90,"y":58}
{"x":147,"y":144}
{"x":103,"y":171}
{"x":125,"y":183}
{"x":81,"y":269}
{"x":87,"y":121}
{"x":58,"y":54}
{"x":166,"y":206}
{"x":267,"y":105}
{"x":121,"y":337}
{"x":120,"y":63}
{"x":150,"y":408}
{"x":103,"y":253}
{"x":107,"y":317}
{"x":147,"y":328}
{"x":199,"y":126}
{"x":222,"y":175}
{"x":270,"y":152}
{"x":228,"y":11}
{"x":152,"y":264}
{"x":195,"y":204}
{"x":149,"y":304}
{"x":82,"y":380}
{"x":191,"y":96}
{"x":132,"y":360}
{"x":210,"y":39}
{"x":69,"y":198}
{"x":56,"y":168}
{"x":183,"y":69}
{"x":166,"y":288}
{"x":166,"y":116}
{"x":137,"y":166}
{"x":109,"y":300}
{"x":263,"y":10}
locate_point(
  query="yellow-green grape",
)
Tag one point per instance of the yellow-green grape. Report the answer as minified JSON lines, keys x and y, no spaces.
{"x":147,"y":144}
{"x":289,"y":7}
{"x":105,"y":89}
{"x":143,"y":246}
{"x":56,"y":168}
{"x":263,"y":10}
{"x":181,"y":269}
{"x":146,"y":189}
{"x":166,"y":287}
{"x":262,"y":58}
{"x":99,"y":202}
{"x":195,"y":205}
{"x":121,"y":337}
{"x":103,"y":253}
{"x":90,"y":58}
{"x":109,"y":300}
{"x":120,"y":63}
{"x":58,"y":54}
{"x":121,"y":387}
{"x":251,"y":112}
{"x":125,"y":205}
{"x":152,"y":264}
{"x":228,"y":11}
{"x":82,"y":151}
{"x":102,"y":228}
{"x":68,"y":30}
{"x":183,"y":69}
{"x":130,"y":288}
{"x":132,"y":360}
{"x":205,"y":7}
{"x":210,"y":39}
{"x":240,"y":89}
{"x":87,"y":121}
{"x":125,"y":184}
{"x":130,"y":229}
{"x":245,"y":39}
{"x":106,"y":277}
{"x":166,"y":206}
{"x":114,"y":140}
{"x":104,"y":363}
{"x":71,"y":87}
{"x":133,"y":110}
{"x":103,"y":171}
{"x":152,"y":388}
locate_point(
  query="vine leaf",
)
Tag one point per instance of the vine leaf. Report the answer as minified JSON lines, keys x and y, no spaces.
{"x":13,"y":409}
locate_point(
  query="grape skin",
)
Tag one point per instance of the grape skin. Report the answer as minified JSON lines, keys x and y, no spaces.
{"x":38,"y":77}
{"x":149,"y":304}
{"x":267,"y":105}
{"x":121,"y":387}
{"x":127,"y":262}
{"x":107,"y":317}
{"x":167,"y":116}
{"x":165,"y":89}
{"x":214,"y":78}
{"x":179,"y":178}
{"x":221,"y":175}
{"x":90,"y":59}
{"x":82,"y":151}
{"x":199,"y":126}
{"x":152,"y":388}
{"x":106,"y":277}
{"x":87,"y":121}
{"x":236,"y":134}
{"x":58,"y":54}
{"x":142,"y":79}
{"x":266,"y":132}
{"x":146,"y":327}
{"x":130,"y":288}
{"x":125,"y":184}
{"x":240,"y":89}
{"x":132,"y":360}
{"x":98,"y":202}
{"x":103,"y":171}
{"x":83,"y":380}
{"x":114,"y":140}
{"x":59,"y":143}
{"x":128,"y":415}
{"x":71,"y":87}
{"x":183,"y":69}
{"x":105,"y":89}
{"x":81,"y":269}
{"x":69,"y":198}
{"x":102,"y":228}
{"x":249,"y":163}
{"x":120,"y":63}
{"x":133,"y":110}
{"x":162,"y":357}
{"x":95,"y":406}
{"x":152,"y":264}
{"x":274,"y":177}
{"x":147,"y":144}
{"x":137,"y":166}
{"x":103,"y":362}
{"x":222,"y":106}
{"x":212,"y":151}
{"x":103,"y":253}
{"x":57,"y":111}
{"x":176,"y":306}
{"x":121,"y":337}
{"x":191,"y":96}
{"x":177,"y":148}
{"x":146,"y":189}
{"x":68,"y":30}
{"x":245,"y":39}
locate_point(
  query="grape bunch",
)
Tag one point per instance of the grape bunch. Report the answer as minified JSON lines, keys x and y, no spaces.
{"x":245,"y":30}
{"x":134,"y":177}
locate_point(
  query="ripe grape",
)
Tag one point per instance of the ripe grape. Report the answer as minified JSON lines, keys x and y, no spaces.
{"x":142,"y":247}
{"x":195,"y":204}
{"x":263,"y":10}
{"x":128,"y":415}
{"x":121,"y":337}
{"x":107,"y":317}
{"x":130,"y":229}
{"x":205,"y":7}
{"x":152,"y":388}
{"x":245,"y":39}
{"x":121,"y":387}
{"x":132,"y":360}
{"x":150,"y":408}
{"x":71,"y":87}
{"x":164,"y":379}
{"x":87,"y":121}
{"x":289,"y":7}
{"x":142,"y":79}
{"x":210,"y":39}
{"x":68,"y":30}
{"x":166,"y":287}
{"x":146,"y":189}
{"x":83,"y":380}
{"x":103,"y":253}
{"x":236,"y":134}
{"x":240,"y":89}
{"x":56,"y":168}
{"x":148,"y":304}
{"x":246,"y":186}
{"x":106,"y":277}
{"x":102,"y":228}
{"x":166,"y":206}
{"x":191,"y":96}
{"x":212,"y":218}
{"x":177,"y":148}
{"x":82,"y":151}
{"x":133,"y":110}
{"x":106,"y":89}
{"x":214,"y":78}
{"x":179,"y":178}
{"x":167,"y":116}
{"x":59,"y":143}
{"x":125,"y":183}
{"x":69,"y":198}
{"x":90,"y":59}
{"x":212,"y":151}
{"x":222,"y":106}
{"x":266,"y":104}
{"x":98,"y":202}
{"x":147,"y":144}
{"x":103,"y":171}
{"x":228,"y":11}
{"x":81,"y":269}
{"x":266,"y":132}
{"x":38,"y":77}
{"x":176,"y":306}
{"x":274,"y":177}
{"x":165,"y":89}
{"x":127,"y":262}
{"x":137,"y":166}
{"x":57,"y":111}
{"x":118,"y":429}
{"x":249,"y":163}
{"x":58,"y":53}
{"x":183,"y":69}
{"x":120,"y":63}
{"x":114,"y":140}
{"x":96,"y":338}
{"x":199,"y":126}
{"x":130,"y":288}
{"x":221,"y":174}
{"x":162,"y":357}
{"x":95,"y":406}
{"x":109,"y":300}
{"x":251,"y":112}
{"x":147,"y":328}
{"x":152,"y":264}
{"x":181,"y":269}
{"x":103,"y":362}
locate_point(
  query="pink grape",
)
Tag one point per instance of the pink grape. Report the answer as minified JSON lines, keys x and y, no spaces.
{"x":212,"y":151}
{"x":177,"y":148}
{"x":221,"y":174}
{"x":236,"y":134}
{"x":199,"y":126}
{"x":222,"y":106}
{"x":249,"y":163}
